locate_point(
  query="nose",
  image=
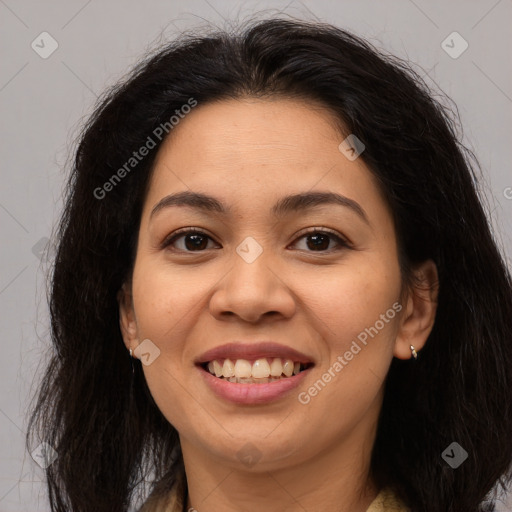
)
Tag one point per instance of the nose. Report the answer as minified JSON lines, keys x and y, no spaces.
{"x":253,"y":290}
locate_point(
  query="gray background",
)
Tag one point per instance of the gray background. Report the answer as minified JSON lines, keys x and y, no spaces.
{"x":44,"y":101}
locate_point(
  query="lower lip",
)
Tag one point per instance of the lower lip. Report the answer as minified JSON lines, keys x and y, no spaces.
{"x":252,"y":393}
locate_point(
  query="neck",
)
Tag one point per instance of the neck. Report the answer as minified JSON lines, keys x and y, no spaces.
{"x":337,"y":479}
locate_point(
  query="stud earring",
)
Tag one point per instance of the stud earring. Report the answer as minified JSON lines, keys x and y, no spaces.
{"x":131,"y":361}
{"x":414,"y":353}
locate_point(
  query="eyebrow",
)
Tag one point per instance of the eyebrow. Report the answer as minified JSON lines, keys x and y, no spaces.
{"x":285,"y":205}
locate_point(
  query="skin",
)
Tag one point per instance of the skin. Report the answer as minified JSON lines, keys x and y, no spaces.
{"x":248,"y":153}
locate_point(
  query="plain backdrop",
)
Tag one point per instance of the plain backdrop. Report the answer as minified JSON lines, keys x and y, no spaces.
{"x":45,"y":98}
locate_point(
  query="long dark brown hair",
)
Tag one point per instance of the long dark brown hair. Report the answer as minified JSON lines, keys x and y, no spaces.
{"x":112,"y":441}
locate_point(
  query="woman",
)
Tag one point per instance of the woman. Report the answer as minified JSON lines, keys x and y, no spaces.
{"x":276,"y":289}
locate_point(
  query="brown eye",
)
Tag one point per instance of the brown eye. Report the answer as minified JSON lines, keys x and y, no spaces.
{"x":192,"y":241}
{"x":319,"y":241}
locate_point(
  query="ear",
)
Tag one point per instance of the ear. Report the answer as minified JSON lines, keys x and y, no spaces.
{"x":418,"y":318}
{"x":127,"y":320}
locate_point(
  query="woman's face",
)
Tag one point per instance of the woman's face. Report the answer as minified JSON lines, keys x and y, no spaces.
{"x":297,"y":248}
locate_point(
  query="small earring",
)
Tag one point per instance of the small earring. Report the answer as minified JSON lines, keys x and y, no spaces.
{"x":414,"y":353}
{"x":131,"y":361}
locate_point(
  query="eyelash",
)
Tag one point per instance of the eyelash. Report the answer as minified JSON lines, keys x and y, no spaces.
{"x":342,"y":243}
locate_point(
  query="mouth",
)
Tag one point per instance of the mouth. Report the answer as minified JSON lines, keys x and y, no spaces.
{"x":253,"y":373}
{"x":257,"y":371}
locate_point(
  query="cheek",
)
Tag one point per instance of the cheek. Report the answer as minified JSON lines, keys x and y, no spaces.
{"x":165,"y":297}
{"x":163,"y":303}
{"x":353,"y":298}
{"x":358,"y":312}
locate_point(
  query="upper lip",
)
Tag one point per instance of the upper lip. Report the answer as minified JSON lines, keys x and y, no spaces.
{"x":251,"y":351}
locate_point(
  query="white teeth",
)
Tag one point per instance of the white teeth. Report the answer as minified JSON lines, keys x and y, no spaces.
{"x":288,"y":368}
{"x":228,"y":369}
{"x":242,"y":369}
{"x":260,"y":371}
{"x":276,"y":368}
{"x":217,"y":368}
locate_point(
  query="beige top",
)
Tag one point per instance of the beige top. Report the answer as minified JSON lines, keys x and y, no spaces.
{"x":386,"y":501}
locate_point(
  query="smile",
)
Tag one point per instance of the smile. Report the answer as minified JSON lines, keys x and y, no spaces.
{"x":260,"y":371}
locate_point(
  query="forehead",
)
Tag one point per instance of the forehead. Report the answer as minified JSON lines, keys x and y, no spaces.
{"x":249,"y":150}
{"x":228,"y":130}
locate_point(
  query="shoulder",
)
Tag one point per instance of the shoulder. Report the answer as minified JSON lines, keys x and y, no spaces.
{"x":173,"y":501}
{"x":387,"y":501}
